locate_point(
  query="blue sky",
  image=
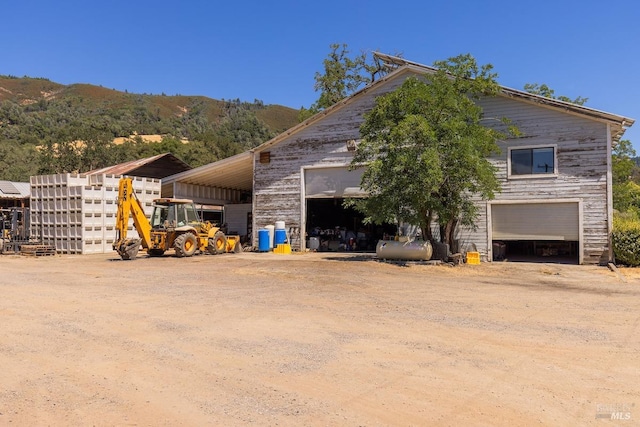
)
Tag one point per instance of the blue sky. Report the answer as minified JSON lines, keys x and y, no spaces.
{"x":270,"y":50}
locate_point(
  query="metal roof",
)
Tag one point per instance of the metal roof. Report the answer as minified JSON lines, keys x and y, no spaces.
{"x":235,"y":172}
{"x":14,"y":190}
{"x":159,"y":166}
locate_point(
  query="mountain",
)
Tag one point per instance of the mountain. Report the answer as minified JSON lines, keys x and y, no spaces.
{"x":47,"y":127}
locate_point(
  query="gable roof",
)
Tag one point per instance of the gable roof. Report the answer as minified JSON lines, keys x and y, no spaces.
{"x":159,"y":166}
{"x":236,"y":172}
{"x":400,"y":65}
{"x":614,"y":119}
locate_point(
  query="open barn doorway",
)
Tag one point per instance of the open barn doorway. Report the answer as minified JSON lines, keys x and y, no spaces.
{"x":332,"y":227}
{"x":552,"y":251}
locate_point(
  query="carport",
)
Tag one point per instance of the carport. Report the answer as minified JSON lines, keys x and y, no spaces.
{"x":222,"y":188}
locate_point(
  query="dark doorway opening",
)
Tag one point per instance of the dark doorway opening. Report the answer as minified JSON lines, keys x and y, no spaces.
{"x":214,"y":216}
{"x":552,"y":251}
{"x":332,"y":227}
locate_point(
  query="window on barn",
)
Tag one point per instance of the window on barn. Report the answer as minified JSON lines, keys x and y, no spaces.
{"x":532,"y":162}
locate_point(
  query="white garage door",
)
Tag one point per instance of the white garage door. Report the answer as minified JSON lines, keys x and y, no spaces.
{"x":536,"y":221}
{"x":333,"y":182}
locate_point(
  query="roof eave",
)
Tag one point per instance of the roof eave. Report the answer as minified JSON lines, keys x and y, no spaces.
{"x":615,"y":119}
{"x":335,"y":107}
{"x":621,"y":123}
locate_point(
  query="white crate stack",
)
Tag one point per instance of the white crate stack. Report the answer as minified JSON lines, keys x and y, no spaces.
{"x":77,"y":213}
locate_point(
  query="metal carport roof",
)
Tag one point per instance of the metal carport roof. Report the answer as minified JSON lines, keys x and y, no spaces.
{"x":235,"y":172}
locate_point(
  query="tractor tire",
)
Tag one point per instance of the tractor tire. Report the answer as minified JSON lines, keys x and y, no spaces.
{"x":219,"y":243}
{"x":185,"y":245}
{"x":155,"y":252}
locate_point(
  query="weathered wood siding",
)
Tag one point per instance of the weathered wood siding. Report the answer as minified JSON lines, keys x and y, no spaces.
{"x":582,"y":169}
{"x":581,"y":155}
{"x":277,"y":185}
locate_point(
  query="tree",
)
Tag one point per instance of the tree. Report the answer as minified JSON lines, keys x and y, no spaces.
{"x":17,"y":161}
{"x":622,"y":164}
{"x":343,"y":75}
{"x":626,"y":192}
{"x":96,"y":150}
{"x":425,"y":149}
{"x":546,"y":91}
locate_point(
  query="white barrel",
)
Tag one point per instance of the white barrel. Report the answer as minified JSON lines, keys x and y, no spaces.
{"x":271,"y":234}
{"x":280,"y":225}
{"x":416,"y":250}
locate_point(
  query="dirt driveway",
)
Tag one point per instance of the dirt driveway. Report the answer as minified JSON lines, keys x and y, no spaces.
{"x":314,"y":339}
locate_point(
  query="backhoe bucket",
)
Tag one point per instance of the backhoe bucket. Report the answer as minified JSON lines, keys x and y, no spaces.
{"x":129,"y":249}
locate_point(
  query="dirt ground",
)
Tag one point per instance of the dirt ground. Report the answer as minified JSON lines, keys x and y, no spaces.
{"x":315,"y":339}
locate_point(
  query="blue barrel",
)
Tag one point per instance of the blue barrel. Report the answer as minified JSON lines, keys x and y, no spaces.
{"x":263,"y":240}
{"x":281,"y":236}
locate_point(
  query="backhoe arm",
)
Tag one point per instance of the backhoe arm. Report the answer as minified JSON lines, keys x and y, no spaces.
{"x":129,"y":205}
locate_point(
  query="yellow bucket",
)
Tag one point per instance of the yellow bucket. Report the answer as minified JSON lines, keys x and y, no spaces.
{"x":282,"y":248}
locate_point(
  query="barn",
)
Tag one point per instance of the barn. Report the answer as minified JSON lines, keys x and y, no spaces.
{"x":555,"y":203}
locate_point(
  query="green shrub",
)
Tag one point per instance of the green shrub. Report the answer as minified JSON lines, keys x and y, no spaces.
{"x":626,"y":239}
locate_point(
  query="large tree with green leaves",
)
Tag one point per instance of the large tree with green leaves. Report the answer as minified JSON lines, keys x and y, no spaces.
{"x":343,"y":75}
{"x":425,"y":149}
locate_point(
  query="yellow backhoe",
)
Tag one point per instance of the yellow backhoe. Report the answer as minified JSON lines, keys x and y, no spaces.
{"x":174,"y":225}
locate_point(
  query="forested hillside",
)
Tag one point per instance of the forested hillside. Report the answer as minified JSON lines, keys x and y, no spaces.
{"x":46,"y":127}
